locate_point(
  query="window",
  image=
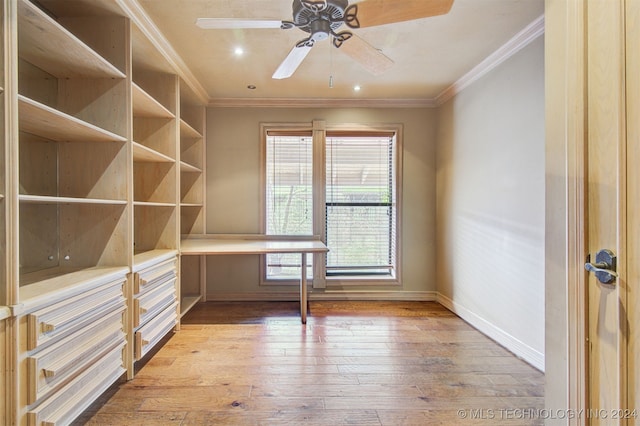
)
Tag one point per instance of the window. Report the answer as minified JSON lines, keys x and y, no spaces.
{"x":289,"y":197}
{"x":360,"y":205}
{"x":338,"y":184}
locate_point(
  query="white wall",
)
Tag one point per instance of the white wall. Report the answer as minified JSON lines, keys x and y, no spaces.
{"x":233,"y":185}
{"x":490,"y":203}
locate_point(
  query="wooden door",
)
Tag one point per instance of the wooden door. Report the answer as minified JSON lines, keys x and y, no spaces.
{"x":610,"y":171}
{"x":632,"y":41}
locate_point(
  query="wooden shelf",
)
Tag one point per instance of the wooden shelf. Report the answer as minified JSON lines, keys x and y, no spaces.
{"x":49,"y":123}
{"x":45,"y":199}
{"x":144,"y":105}
{"x":143,"y":259}
{"x":49,"y":46}
{"x":191,"y":205}
{"x":186,"y":167}
{"x":187,"y":302}
{"x":152,"y":204}
{"x":186,"y":131}
{"x":145,"y":154}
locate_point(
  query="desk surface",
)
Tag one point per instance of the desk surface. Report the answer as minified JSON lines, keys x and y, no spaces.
{"x":249,"y":246}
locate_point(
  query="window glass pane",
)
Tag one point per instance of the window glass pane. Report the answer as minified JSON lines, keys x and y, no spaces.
{"x":289,"y":198}
{"x":360,"y":205}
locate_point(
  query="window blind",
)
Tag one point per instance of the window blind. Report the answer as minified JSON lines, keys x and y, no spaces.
{"x":289,"y":197}
{"x":360,"y":204}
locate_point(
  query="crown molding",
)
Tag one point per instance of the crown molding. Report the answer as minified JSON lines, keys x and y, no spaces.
{"x":320,"y":103}
{"x":531,"y":32}
{"x":139,"y":17}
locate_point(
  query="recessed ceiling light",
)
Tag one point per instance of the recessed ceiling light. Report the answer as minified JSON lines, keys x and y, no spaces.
{"x":238,"y":51}
{"x":357,"y":88}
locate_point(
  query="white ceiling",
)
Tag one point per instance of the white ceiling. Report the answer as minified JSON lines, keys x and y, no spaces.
{"x":429,"y":54}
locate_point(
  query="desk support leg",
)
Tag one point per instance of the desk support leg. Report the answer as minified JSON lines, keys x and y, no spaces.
{"x":303,"y":288}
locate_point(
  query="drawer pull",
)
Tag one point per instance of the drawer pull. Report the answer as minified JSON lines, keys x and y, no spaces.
{"x":145,"y":342}
{"x":143,"y":310}
{"x":48,"y":328}
{"x":48,"y":373}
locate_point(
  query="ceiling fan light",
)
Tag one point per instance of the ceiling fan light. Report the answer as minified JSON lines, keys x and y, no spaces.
{"x":320,"y":30}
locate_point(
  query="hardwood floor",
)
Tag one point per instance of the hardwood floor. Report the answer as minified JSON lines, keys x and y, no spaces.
{"x":359,"y":363}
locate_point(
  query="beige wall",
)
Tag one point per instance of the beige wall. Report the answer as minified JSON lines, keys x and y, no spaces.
{"x":480,"y":158}
{"x":490,"y":203}
{"x":233,"y":185}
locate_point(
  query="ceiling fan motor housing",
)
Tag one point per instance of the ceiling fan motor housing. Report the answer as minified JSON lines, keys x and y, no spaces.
{"x":319,"y":18}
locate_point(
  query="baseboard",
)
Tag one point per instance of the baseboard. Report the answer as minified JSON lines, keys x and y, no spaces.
{"x":527,"y":353}
{"x":422,"y":296}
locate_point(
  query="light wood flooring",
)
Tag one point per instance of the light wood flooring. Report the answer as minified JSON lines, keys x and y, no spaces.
{"x":358,"y":363}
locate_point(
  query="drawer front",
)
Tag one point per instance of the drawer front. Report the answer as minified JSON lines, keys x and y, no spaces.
{"x":152,"y":302}
{"x":58,"y":363}
{"x":150,"y":277}
{"x":151,"y":333}
{"x":74,"y":397}
{"x":63,"y":318}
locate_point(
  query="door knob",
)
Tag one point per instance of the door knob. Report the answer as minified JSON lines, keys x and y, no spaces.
{"x":604,"y":266}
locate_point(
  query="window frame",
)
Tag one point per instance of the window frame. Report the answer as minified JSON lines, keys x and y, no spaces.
{"x":319,"y":130}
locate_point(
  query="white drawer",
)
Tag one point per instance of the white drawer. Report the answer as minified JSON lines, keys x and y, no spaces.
{"x":65,"y":317}
{"x":151,"y":333}
{"x":58,"y":363}
{"x":74,"y":397}
{"x":152,"y":302}
{"x":149,"y":277}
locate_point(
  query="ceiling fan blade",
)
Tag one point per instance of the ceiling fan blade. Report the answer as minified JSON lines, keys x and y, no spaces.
{"x":366,"y":55}
{"x":224,"y":23}
{"x":291,"y":62}
{"x":381,"y":12}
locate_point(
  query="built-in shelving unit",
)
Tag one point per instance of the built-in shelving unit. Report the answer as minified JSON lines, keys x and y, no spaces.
{"x":192,"y":193}
{"x":101,"y":172}
{"x":192,"y":162}
{"x":72,"y":149}
{"x":74,"y":209}
{"x":156,"y":177}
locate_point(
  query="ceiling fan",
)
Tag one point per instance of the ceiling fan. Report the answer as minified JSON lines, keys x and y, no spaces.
{"x":322,"y":19}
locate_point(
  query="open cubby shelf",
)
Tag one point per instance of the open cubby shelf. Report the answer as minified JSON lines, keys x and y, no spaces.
{"x":49,"y":123}
{"x":50,"y":46}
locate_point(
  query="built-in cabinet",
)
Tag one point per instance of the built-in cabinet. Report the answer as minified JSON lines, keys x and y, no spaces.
{"x":101,"y":174}
{"x":192,"y":193}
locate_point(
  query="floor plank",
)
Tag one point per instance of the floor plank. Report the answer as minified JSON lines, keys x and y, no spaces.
{"x":363,"y":363}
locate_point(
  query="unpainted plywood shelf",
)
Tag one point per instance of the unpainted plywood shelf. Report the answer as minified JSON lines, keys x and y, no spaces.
{"x":145,"y":105}
{"x":49,"y":123}
{"x":45,"y":199}
{"x":49,"y":46}
{"x":186,"y":167}
{"x":144,"y":154}
{"x":187,"y":131}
